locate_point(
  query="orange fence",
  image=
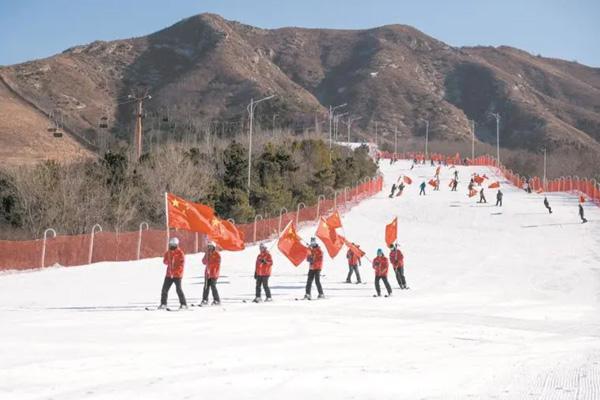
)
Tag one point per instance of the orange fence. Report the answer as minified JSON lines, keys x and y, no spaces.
{"x":110,"y":246}
{"x":569,"y":184}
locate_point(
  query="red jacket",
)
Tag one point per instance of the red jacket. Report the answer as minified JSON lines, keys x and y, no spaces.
{"x":213,"y":264}
{"x":353,"y":260}
{"x":380,"y":264}
{"x":315,"y":258}
{"x":264,"y":262}
{"x":174,"y":260}
{"x":396,"y":258}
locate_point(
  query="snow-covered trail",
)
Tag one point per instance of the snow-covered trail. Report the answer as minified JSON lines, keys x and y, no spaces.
{"x":504,"y":303}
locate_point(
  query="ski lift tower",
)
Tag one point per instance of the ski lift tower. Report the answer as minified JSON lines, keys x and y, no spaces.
{"x":139,"y":100}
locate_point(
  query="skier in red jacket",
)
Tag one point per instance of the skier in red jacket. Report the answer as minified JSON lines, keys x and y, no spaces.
{"x":353,"y":263}
{"x":174,"y":259}
{"x":212,"y":261}
{"x":315,"y":261}
{"x":264,"y":264}
{"x":397,"y":261}
{"x":380,"y":265}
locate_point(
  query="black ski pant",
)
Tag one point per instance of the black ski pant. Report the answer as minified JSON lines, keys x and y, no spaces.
{"x":400,"y":277}
{"x":549,"y":209}
{"x":353,"y":269}
{"x":385,"y":282}
{"x":315,"y":275}
{"x":499,"y":202}
{"x":582,"y":217}
{"x":210,"y":284}
{"x":263,"y":281}
{"x":422,"y":192}
{"x":165,"y":290}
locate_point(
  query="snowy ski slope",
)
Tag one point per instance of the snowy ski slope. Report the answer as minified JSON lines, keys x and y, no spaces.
{"x":504,"y":304}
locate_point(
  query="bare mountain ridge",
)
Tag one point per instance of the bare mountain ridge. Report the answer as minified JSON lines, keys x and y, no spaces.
{"x":205,"y":69}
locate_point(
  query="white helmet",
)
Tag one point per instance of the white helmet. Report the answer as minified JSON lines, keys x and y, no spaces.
{"x":173,"y":242}
{"x":211,"y":244}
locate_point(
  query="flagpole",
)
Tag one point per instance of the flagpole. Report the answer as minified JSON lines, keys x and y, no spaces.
{"x":167,"y":219}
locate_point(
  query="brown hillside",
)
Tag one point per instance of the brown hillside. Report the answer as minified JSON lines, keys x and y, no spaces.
{"x":203,"y":71}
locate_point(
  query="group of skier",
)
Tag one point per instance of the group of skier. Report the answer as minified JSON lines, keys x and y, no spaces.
{"x":174,"y":259}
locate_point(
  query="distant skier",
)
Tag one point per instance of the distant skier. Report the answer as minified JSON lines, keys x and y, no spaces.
{"x":437,"y":183}
{"x":397,"y":261}
{"x":456,"y":175}
{"x":264,"y":264}
{"x":454,"y":185}
{"x":380,"y":265}
{"x":401,"y":187}
{"x":315,"y":262}
{"x":499,"y":196}
{"x":393,"y":190}
{"x":174,"y":259}
{"x":482,"y":196}
{"x":422,"y":186}
{"x":583,"y":220}
{"x":547,"y":205}
{"x":212,"y":261}
{"x":353,"y":263}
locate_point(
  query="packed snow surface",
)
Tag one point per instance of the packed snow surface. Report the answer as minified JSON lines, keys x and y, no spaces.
{"x":503,"y":304}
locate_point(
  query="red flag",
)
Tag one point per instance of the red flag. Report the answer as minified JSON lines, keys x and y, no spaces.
{"x":332,"y":241}
{"x":391,"y":232}
{"x":582,"y":199}
{"x":494,"y":185}
{"x":334,"y":220}
{"x":353,"y":248}
{"x":472,"y":192}
{"x":432,"y":182}
{"x":183,"y":214}
{"x":451,"y":183}
{"x":407,"y":180}
{"x":226,"y":235}
{"x":478,"y":179}
{"x":290,"y":245}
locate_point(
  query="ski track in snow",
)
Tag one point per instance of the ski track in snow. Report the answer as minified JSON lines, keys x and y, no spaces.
{"x":504,"y":304}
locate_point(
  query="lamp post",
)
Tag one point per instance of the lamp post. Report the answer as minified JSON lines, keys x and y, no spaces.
{"x":472,"y":140}
{"x":544,"y":181}
{"x":395,"y":141}
{"x":331,"y":111}
{"x":250,"y":109}
{"x":497,"y":116}
{"x":426,"y":137}
{"x":337,"y":124}
{"x":350,"y":121}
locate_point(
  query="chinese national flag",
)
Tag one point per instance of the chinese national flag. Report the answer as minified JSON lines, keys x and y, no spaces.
{"x":478,"y":179}
{"x":391,"y":232}
{"x":494,"y":185}
{"x":334,"y":221}
{"x":582,"y":199}
{"x":472,"y":193}
{"x":432,"y":183}
{"x":290,"y":245}
{"x":226,"y":235}
{"x":190,"y":216}
{"x":353,"y":248}
{"x":407,"y":180}
{"x":332,"y":241}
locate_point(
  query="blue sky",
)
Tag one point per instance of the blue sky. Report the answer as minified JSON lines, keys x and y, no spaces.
{"x":555,"y":28}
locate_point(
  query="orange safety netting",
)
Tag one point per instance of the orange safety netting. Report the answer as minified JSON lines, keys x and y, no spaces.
{"x":146,"y":243}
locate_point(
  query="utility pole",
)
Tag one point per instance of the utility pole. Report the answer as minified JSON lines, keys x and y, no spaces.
{"x":137,"y":136}
{"x":250,"y":109}
{"x":395,"y":141}
{"x":376,"y":138}
{"x":497,"y":116}
{"x":350,"y":121}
